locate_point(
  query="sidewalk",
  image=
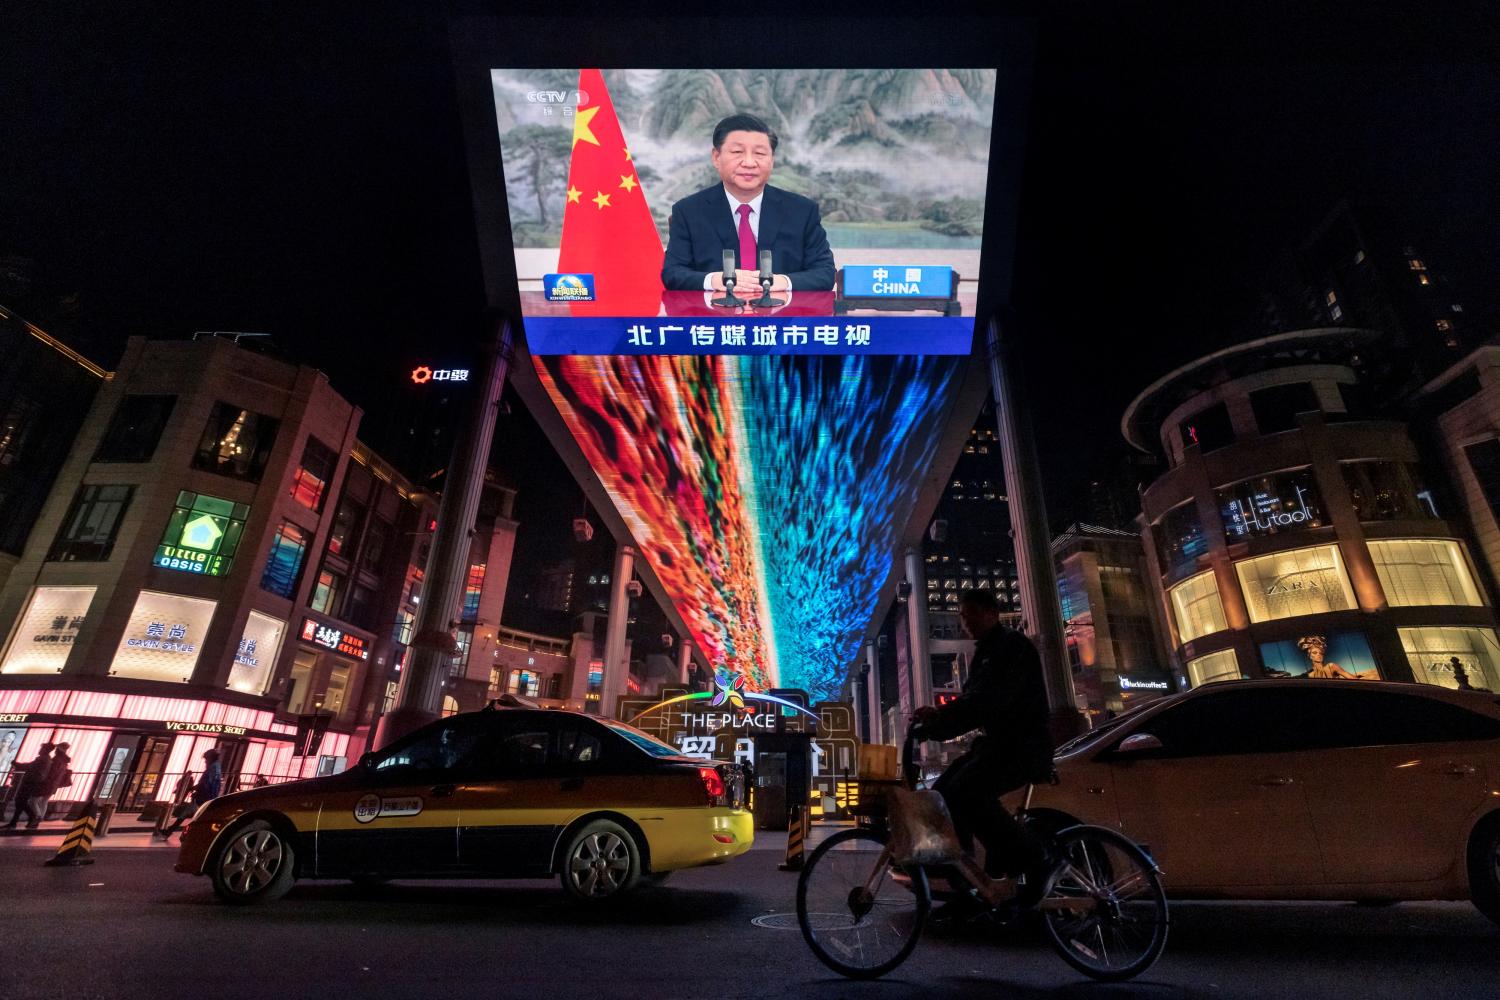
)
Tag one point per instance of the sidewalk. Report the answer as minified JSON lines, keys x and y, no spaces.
{"x":51,"y":833}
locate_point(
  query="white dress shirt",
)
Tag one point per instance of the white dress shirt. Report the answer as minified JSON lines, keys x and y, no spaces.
{"x":734,"y":215}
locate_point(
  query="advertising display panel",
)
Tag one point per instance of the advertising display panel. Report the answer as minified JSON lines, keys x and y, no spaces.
{"x":750,"y":297}
{"x":163,"y":638}
{"x":45,"y":634}
{"x":255,"y":657}
{"x":1295,"y":582}
{"x":202,"y":534}
{"x":1342,"y":654}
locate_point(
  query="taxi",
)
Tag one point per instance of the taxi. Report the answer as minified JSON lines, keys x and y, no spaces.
{"x":500,"y":793}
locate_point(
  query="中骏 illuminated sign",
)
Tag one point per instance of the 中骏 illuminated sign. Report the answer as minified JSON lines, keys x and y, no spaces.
{"x":202,"y":535}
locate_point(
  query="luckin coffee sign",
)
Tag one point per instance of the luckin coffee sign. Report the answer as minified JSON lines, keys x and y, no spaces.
{"x":1272,"y":505}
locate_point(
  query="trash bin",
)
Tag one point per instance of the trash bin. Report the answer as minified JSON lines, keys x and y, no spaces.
{"x":106,"y":813}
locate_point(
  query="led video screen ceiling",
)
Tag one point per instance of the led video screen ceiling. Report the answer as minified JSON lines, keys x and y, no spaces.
{"x":750,"y":296}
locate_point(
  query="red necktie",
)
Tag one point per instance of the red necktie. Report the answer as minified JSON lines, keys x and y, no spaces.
{"x":747,"y":240}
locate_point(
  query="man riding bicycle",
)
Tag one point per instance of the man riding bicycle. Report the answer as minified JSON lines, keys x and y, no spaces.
{"x":1006,"y":697}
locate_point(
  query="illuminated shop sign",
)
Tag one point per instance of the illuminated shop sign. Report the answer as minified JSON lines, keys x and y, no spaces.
{"x":255,"y":656}
{"x":206,"y":727}
{"x":339,"y":641}
{"x":47,"y":630}
{"x":163,"y":637}
{"x":202,"y":535}
{"x":13,"y":718}
{"x":1270,"y":504}
{"x":1132,"y":685}
{"x":422,"y":374}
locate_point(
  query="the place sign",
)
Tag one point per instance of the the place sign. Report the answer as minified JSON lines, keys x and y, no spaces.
{"x":1129,"y":685}
{"x":13,"y":718}
{"x":339,"y":641}
{"x":205,"y":727}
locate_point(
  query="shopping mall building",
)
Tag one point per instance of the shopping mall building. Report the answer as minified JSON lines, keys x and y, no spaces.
{"x":1309,"y":524}
{"x":220,"y":563}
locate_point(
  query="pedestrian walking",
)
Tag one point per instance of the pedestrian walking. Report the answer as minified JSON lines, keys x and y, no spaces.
{"x":33,"y":782}
{"x":205,"y":789}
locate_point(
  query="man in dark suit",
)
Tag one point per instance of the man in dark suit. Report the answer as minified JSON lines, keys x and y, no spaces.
{"x":747,"y":215}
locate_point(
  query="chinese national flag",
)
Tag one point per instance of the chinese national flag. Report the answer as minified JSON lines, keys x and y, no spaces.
{"x":607,"y":229}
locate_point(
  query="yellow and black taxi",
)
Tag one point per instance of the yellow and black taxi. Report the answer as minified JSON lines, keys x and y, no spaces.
{"x":500,"y":793}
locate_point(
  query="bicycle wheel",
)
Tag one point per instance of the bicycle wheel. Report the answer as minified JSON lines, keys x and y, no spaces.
{"x":860,"y":913}
{"x":1106,"y":911}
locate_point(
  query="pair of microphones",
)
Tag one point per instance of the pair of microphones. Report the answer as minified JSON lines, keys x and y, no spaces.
{"x":767,"y":279}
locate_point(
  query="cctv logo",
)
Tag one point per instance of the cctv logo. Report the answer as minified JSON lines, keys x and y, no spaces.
{"x":578,"y":97}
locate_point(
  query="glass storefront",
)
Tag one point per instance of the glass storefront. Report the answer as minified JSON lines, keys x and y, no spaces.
{"x":1220,"y":666}
{"x":1197,"y":608}
{"x":1452,"y":657}
{"x":1304,"y":581}
{"x":1424,"y":571}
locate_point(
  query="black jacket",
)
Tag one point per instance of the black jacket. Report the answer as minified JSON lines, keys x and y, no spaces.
{"x":703,"y":228}
{"x":1005,"y":696}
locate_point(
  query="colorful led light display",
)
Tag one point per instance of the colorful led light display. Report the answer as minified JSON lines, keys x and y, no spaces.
{"x":767,"y":493}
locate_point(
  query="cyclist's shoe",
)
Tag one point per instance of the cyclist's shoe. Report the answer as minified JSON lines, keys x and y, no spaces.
{"x":1036,"y":882}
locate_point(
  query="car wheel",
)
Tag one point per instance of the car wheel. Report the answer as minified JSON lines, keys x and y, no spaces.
{"x":1484,"y":867}
{"x":253,"y":864}
{"x":601,"y":861}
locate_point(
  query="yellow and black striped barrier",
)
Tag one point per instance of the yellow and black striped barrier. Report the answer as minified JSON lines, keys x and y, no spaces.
{"x":75,"y":846}
{"x":796,"y":838}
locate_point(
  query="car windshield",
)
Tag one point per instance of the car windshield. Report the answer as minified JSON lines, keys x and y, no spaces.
{"x":650,"y":744}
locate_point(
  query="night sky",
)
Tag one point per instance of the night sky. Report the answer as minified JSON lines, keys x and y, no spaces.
{"x":297,"y":169}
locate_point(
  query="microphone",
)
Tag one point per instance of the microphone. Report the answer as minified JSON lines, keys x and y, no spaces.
{"x":767,"y":279}
{"x":728,"y":299}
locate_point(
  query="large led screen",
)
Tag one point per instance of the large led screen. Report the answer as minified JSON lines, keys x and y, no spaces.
{"x":762,"y":426}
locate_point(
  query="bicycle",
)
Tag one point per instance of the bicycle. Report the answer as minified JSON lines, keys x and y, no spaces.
{"x":864,"y":894}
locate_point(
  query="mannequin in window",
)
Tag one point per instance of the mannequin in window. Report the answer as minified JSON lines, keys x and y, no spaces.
{"x":1315,"y":646}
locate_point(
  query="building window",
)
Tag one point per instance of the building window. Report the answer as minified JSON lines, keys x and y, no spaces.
{"x":450,"y":705}
{"x":1416,"y":264}
{"x":1424,"y":571}
{"x":21,"y":417}
{"x":236,"y":442}
{"x":1461,"y":658}
{"x":1208,"y":429}
{"x":1295,"y":582}
{"x":360,"y":605}
{"x":377,"y":535}
{"x":554,"y":685}
{"x":526,"y":683}
{"x":1276,"y":407}
{"x":1220,"y":666}
{"x":473,"y":587}
{"x":88,"y":532}
{"x":1197,"y":607}
{"x":136,"y":428}
{"x":325,"y":597}
{"x":1422,"y":279}
{"x":1444,"y":325}
{"x":310,"y":484}
{"x":284,"y":565}
{"x":1388,"y":491}
{"x":1270,"y":505}
{"x":343,"y":537}
{"x":202,"y":534}
{"x":1179,"y":539}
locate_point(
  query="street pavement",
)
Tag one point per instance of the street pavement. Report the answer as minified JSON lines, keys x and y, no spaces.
{"x":127,"y":926}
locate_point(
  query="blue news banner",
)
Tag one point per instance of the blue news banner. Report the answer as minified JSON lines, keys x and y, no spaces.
{"x":750,"y":335}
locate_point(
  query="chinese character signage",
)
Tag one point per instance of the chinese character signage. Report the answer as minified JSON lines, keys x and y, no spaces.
{"x":422,"y":374}
{"x":47,"y":630}
{"x":329,"y":637}
{"x":255,"y":656}
{"x":748,"y":335}
{"x":202,"y":535}
{"x":889,"y":281}
{"x":163,"y":637}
